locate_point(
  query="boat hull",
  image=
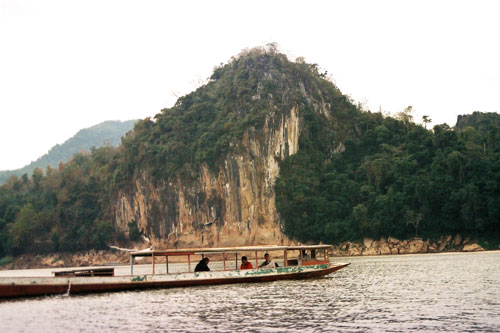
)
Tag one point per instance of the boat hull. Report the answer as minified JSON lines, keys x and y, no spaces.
{"x":38,"y":286}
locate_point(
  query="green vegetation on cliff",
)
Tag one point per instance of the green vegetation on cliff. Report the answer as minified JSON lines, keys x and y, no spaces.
{"x":356,"y":173}
{"x":205,"y":125}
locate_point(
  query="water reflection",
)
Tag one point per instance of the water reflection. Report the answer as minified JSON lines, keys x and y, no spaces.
{"x":446,"y":292}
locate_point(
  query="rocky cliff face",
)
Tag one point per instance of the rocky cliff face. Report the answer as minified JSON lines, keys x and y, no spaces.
{"x":391,"y":245}
{"x":235,"y":206}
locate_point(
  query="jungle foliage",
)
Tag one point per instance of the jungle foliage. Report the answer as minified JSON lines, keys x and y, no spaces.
{"x":395,"y":178}
{"x":64,"y":209}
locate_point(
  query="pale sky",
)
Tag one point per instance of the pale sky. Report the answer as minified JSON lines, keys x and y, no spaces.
{"x":67,"y":65}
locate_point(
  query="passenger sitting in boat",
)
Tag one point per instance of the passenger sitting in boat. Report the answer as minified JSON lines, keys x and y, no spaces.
{"x":304,"y":256}
{"x":269,"y":263}
{"x":202,"y":266}
{"x":245,"y":264}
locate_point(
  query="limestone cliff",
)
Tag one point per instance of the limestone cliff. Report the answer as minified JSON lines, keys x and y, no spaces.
{"x":203,"y":173}
{"x":235,"y":206}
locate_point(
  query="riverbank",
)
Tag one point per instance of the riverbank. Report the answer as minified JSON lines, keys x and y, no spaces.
{"x":393,"y":245}
{"x":368,"y":247}
{"x":78,"y":259}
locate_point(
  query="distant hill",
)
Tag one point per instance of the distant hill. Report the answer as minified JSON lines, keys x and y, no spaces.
{"x":107,"y":133}
{"x":481,"y":121}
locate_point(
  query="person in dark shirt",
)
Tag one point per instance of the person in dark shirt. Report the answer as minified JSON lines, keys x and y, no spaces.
{"x":202,"y":266}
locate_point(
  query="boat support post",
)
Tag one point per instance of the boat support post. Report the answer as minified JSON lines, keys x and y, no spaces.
{"x":153,"y":263}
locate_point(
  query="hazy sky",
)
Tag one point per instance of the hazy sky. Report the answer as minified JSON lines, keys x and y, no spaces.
{"x":66,"y":65}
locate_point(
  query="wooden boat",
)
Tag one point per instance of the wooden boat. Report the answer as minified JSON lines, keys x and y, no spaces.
{"x":73,"y":282}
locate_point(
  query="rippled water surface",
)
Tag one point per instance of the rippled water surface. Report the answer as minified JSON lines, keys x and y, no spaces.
{"x":443,"y":292}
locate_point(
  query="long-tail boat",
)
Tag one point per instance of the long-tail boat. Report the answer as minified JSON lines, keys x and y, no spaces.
{"x":311,"y":261}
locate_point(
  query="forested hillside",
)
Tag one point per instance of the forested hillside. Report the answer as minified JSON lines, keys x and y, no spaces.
{"x":392,"y":178}
{"x":107,"y":133}
{"x":356,"y":173}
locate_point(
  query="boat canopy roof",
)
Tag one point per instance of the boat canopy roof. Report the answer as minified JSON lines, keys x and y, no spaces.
{"x":194,"y":251}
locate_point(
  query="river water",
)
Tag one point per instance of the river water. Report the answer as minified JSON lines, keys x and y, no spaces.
{"x":456,"y":292}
